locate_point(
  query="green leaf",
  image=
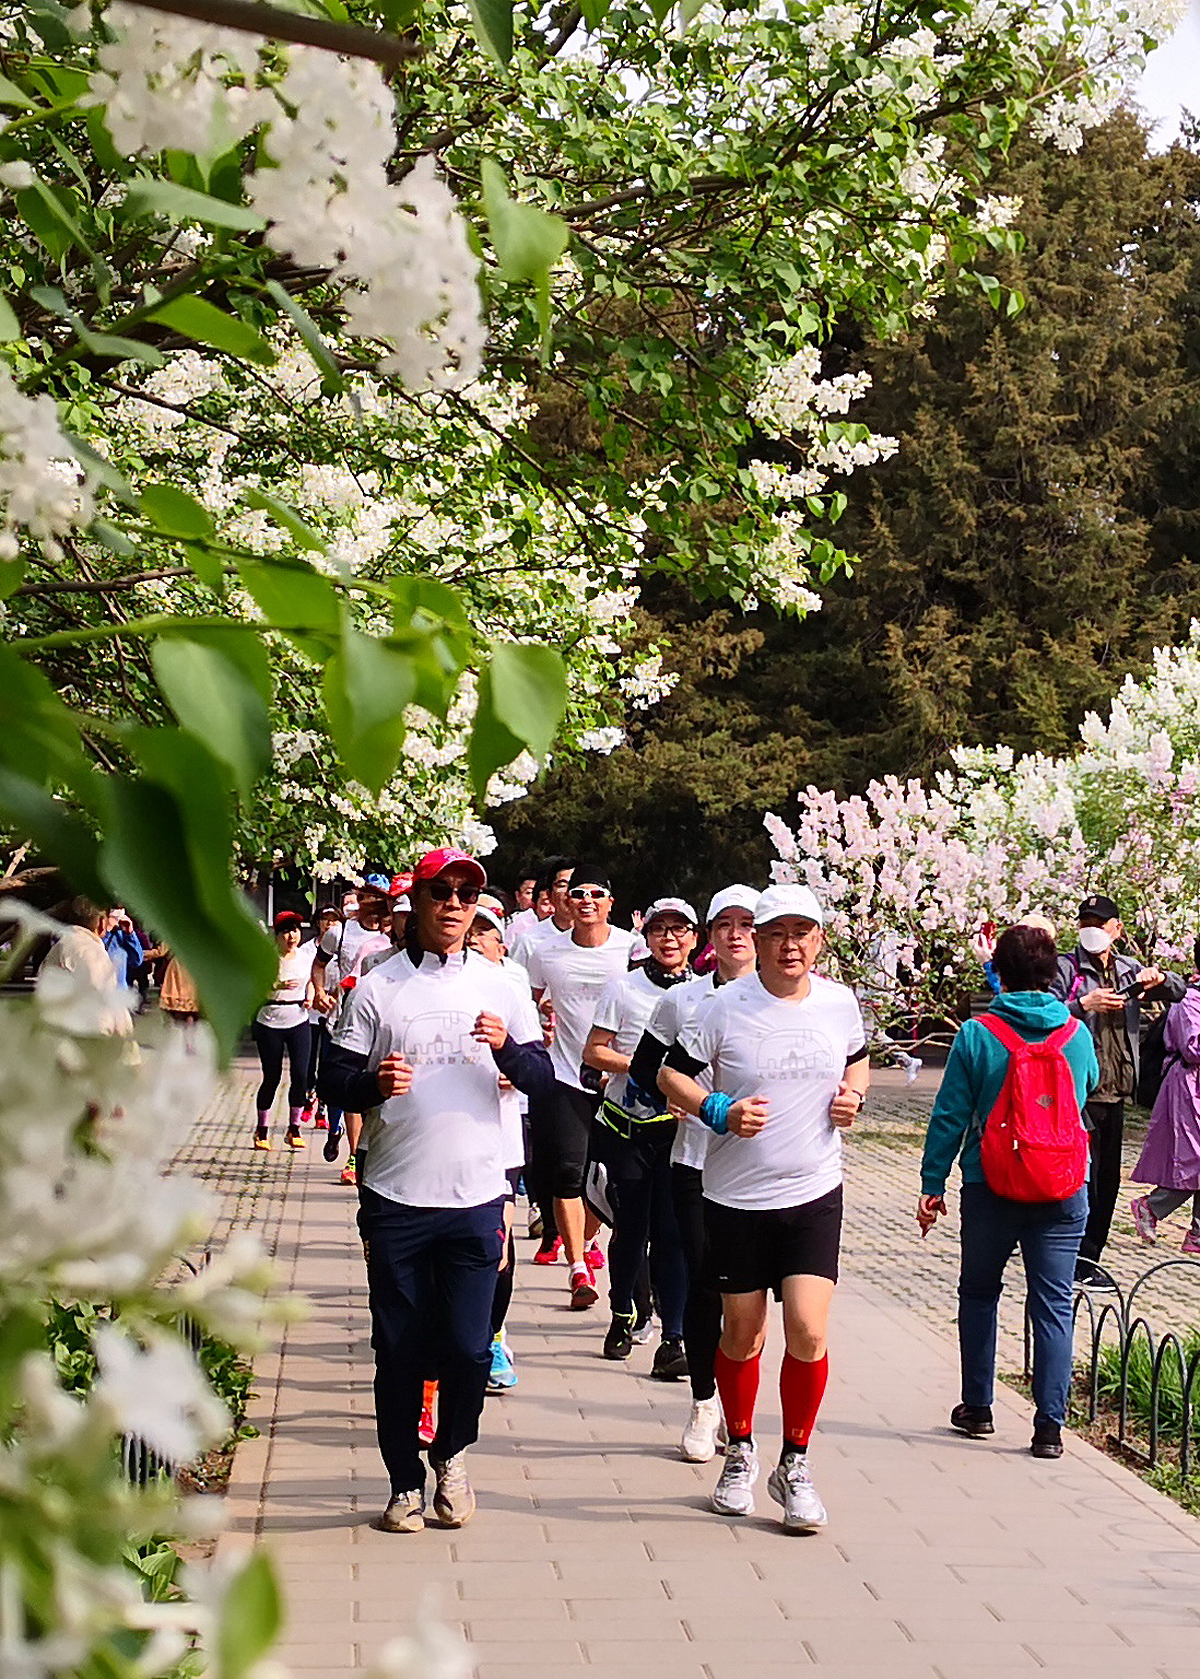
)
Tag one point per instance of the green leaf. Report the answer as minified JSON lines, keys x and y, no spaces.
{"x":175,"y":513}
{"x":494,"y":27}
{"x":150,"y":197}
{"x":251,"y":1616}
{"x":11,"y":97}
{"x":10,"y":326}
{"x":522,"y":700}
{"x":528,"y":241}
{"x":213,"y":700}
{"x":101,"y":469}
{"x":207,"y":566}
{"x":291,"y":595}
{"x":58,"y":835}
{"x":366,"y":687}
{"x":285,"y":514}
{"x":12,"y":575}
{"x":113,"y":539}
{"x":202,"y":321}
{"x":310,"y":334}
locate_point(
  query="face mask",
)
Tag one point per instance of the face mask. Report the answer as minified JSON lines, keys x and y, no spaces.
{"x":1094,"y":940}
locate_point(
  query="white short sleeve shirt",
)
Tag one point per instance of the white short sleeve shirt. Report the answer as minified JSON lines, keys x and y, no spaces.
{"x":683,"y":1004}
{"x":574,"y":976}
{"x":624,"y":1009}
{"x":794,"y":1053}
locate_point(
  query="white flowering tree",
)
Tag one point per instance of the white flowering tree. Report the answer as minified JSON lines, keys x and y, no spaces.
{"x":911,"y":873}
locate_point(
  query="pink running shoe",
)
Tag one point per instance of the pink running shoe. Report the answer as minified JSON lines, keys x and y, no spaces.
{"x":550,"y":1255}
{"x":1144,"y":1221}
{"x":593,"y":1258}
{"x":1191,"y":1243}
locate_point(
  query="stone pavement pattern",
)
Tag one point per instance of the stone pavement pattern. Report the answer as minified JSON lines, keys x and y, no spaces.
{"x":593,"y":1549}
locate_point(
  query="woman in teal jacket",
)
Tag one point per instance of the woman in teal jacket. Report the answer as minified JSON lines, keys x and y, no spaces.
{"x":1048,"y":1232}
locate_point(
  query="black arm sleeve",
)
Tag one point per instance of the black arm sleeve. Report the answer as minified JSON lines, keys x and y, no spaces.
{"x":527,"y":1066}
{"x":857,"y":1056}
{"x":680,"y":1061}
{"x":646,"y":1060}
{"x":346,"y":1081}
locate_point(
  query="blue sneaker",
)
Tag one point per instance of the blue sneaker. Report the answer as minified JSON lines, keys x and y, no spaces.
{"x":502,"y":1374}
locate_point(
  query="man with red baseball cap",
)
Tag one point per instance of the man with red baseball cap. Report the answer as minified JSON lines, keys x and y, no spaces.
{"x":417,"y":1051}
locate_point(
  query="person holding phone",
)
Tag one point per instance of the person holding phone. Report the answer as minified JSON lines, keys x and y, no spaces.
{"x":1106,"y":991}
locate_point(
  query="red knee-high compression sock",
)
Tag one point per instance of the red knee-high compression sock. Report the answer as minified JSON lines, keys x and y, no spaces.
{"x":801,"y":1389}
{"x":737,"y":1383}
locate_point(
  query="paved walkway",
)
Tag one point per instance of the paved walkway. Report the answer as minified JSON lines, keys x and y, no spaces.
{"x":593,"y":1548}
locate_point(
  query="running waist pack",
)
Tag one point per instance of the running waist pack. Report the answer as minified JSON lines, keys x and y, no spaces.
{"x":1034,"y":1146}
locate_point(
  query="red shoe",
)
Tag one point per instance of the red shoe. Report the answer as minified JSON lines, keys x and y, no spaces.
{"x":550,"y":1255}
{"x":427,"y":1428}
{"x":583,"y":1290}
{"x":321,"y":1122}
{"x":593,"y":1258}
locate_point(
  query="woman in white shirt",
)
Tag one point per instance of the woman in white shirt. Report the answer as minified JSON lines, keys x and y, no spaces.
{"x":282,"y":1024}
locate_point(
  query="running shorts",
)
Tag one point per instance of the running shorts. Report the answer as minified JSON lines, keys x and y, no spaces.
{"x":753,"y":1250}
{"x":562,"y":1131}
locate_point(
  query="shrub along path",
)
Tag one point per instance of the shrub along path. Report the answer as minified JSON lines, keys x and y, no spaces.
{"x":593,"y":1549}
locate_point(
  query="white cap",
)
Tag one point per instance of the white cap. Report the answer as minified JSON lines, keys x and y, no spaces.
{"x":403,"y":904}
{"x":670,"y":906}
{"x":787,"y":900}
{"x":732,"y":897}
{"x":485,"y":912}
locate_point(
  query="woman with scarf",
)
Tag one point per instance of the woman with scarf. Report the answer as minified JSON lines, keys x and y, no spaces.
{"x":633,"y":1134}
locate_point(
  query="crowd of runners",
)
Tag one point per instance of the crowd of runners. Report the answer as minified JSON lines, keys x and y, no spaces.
{"x":685,"y":1083}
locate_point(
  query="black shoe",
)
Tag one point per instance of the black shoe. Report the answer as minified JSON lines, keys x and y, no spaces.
{"x":1090,"y":1275}
{"x":618,"y":1343}
{"x":975,"y":1420}
{"x":333,"y":1145}
{"x":670,"y":1360}
{"x":1047,"y":1440}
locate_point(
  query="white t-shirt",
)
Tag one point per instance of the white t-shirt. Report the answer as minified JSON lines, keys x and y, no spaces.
{"x":625,"y":1007}
{"x":682,"y":1005}
{"x":442,"y":1145}
{"x":795,"y":1054}
{"x":285,"y":1006}
{"x":308,"y":950}
{"x":371,"y":957}
{"x":532,"y":936}
{"x":349,"y":944}
{"x":513,"y":1104}
{"x":573,"y":977}
{"x":522,"y":919}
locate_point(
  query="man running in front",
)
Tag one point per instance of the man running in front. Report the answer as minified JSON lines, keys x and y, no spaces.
{"x":417,"y":1050}
{"x":786,"y":1053}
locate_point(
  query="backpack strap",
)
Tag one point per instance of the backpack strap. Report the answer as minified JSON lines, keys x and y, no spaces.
{"x":1062,"y":1035}
{"x":1077,"y":982}
{"x":1001,"y":1030}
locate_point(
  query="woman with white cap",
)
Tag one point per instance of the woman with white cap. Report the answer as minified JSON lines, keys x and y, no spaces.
{"x":633,"y":1134}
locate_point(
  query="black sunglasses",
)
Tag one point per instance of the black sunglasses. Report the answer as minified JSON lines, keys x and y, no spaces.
{"x":441,"y":891}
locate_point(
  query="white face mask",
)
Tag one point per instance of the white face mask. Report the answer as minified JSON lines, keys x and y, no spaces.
{"x":1094,"y":940}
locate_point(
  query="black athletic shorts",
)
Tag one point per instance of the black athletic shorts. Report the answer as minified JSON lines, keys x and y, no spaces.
{"x":562,"y":1128}
{"x":752,"y":1250}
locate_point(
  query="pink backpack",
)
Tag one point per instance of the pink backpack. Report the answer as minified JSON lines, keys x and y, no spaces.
{"x":1034,"y":1146}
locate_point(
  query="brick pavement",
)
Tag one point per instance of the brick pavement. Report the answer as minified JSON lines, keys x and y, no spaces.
{"x":593,"y":1548}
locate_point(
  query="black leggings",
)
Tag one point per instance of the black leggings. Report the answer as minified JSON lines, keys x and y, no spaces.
{"x":702,"y":1313}
{"x":271,"y":1042}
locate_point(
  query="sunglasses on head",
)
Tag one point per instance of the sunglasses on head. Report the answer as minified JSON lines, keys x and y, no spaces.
{"x":595,"y":893}
{"x":441,"y":891}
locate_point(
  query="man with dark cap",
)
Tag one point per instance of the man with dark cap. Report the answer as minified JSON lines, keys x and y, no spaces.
{"x":570,"y":974}
{"x":1106,"y":991}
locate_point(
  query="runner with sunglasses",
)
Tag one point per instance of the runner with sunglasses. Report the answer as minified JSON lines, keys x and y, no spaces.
{"x":418,"y":1051}
{"x":570,"y":975}
{"x":786,"y":1052}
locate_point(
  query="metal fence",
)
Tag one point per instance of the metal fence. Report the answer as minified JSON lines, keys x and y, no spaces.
{"x":1172,"y":1371}
{"x":140,"y":1463}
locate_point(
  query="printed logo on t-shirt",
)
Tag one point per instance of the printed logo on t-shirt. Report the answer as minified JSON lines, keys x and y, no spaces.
{"x":441,"y":1039}
{"x":795,"y":1054}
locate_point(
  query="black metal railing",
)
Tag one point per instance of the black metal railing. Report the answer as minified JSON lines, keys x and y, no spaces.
{"x":1117,"y":1323}
{"x":140,"y":1463}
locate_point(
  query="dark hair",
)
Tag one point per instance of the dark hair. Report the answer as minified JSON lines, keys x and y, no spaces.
{"x":1025,"y":959}
{"x":555,"y":865}
{"x":1196,"y":956}
{"x":82,"y":912}
{"x":528,"y":871}
{"x":543,"y":883}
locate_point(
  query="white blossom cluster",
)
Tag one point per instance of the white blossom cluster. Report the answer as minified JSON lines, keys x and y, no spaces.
{"x":43,"y":490}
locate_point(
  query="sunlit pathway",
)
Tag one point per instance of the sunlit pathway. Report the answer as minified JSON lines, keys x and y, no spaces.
{"x":593,"y":1548}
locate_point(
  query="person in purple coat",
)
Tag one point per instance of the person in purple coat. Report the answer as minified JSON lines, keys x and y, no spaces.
{"x":1170,"y":1157}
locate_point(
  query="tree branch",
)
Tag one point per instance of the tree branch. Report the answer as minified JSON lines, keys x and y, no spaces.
{"x":101,"y":585}
{"x":254,"y":18}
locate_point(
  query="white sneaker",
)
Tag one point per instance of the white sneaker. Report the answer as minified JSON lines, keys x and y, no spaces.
{"x":791,"y":1485}
{"x":453,"y":1500}
{"x":733,"y":1494}
{"x":699,"y":1443}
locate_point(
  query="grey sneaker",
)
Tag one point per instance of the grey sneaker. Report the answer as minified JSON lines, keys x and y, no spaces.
{"x":733,"y":1494}
{"x":453,"y":1500}
{"x":791,"y":1485}
{"x":405,"y":1513}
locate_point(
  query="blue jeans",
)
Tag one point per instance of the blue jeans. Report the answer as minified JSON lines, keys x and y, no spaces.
{"x":1048,"y":1233}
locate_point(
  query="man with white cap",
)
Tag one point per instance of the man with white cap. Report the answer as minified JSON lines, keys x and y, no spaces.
{"x":731,"y":934}
{"x":418,"y":1050}
{"x":633,"y":1134}
{"x":786,"y":1053}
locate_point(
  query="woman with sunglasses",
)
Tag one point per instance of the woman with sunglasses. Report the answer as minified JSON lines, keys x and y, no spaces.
{"x":570,"y":975}
{"x":417,"y":1052}
{"x":632,"y":1136}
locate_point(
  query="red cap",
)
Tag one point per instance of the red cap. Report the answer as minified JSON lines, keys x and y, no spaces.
{"x":447,"y":857}
{"x":285,"y":919}
{"x":400,"y":884}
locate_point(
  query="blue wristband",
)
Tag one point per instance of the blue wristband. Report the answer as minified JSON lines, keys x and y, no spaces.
{"x":714,"y":1111}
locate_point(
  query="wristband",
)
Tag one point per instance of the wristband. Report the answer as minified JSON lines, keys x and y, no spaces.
{"x":714,"y":1112}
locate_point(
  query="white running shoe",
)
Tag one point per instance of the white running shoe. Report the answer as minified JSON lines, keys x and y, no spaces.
{"x":733,"y":1494}
{"x":699,"y":1443}
{"x":1144,"y":1221}
{"x":791,"y":1485}
{"x":453,"y":1499}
